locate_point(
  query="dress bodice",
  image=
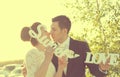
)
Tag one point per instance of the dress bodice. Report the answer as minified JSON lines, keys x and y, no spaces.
{"x":33,"y":60}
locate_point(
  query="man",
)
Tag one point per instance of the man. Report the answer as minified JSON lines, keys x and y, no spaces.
{"x":76,"y":67}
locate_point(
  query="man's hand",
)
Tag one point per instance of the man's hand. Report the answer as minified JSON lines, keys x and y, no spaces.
{"x":106,"y":66}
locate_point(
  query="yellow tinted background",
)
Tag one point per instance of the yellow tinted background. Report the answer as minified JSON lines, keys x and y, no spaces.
{"x":14,"y":15}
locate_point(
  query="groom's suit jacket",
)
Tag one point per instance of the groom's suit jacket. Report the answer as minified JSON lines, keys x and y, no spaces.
{"x":76,"y":66}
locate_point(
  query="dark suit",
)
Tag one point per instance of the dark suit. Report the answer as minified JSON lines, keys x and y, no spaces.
{"x":76,"y":66}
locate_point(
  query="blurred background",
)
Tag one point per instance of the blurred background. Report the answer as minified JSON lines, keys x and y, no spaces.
{"x":94,"y":21}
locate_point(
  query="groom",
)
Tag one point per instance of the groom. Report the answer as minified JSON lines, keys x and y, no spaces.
{"x":76,"y":67}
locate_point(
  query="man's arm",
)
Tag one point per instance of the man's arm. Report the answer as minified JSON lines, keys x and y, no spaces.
{"x":94,"y":68}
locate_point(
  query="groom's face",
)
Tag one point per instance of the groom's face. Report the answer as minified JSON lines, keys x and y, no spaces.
{"x":56,"y":32}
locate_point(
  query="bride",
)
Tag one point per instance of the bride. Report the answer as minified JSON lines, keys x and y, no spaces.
{"x":38,"y":60}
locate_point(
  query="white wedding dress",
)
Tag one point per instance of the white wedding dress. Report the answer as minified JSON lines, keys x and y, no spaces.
{"x":33,"y":60}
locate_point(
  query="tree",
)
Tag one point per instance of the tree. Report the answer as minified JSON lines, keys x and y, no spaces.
{"x":101,"y":21}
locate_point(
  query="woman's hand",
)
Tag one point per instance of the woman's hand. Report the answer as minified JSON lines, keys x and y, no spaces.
{"x":49,"y":53}
{"x":62,"y":63}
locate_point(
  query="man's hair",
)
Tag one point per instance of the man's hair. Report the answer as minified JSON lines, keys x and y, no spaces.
{"x":63,"y":21}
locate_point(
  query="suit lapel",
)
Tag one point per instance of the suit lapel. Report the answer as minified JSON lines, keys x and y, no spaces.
{"x":69,"y":66}
{"x":55,"y":61}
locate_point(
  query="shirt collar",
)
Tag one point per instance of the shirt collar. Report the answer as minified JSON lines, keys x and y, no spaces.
{"x":65,"y":43}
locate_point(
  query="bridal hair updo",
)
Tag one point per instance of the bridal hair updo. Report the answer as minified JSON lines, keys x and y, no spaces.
{"x":25,"y":33}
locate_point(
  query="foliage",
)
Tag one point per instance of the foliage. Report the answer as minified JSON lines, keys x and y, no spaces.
{"x":100,"y":23}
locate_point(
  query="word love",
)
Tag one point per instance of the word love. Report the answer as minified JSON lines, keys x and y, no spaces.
{"x":59,"y":51}
{"x":97,"y":58}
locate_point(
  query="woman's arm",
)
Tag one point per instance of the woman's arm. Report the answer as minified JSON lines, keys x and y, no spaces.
{"x":62,"y":63}
{"x":30,"y":63}
{"x":41,"y":72}
{"x":31,"y":68}
{"x":24,"y":71}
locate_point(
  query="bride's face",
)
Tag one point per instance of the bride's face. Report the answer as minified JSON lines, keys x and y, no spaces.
{"x":44,"y":32}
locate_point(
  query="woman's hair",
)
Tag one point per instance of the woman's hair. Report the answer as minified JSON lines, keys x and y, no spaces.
{"x":25,"y":33}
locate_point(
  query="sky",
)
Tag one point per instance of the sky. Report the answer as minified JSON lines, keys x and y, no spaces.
{"x":16,"y":14}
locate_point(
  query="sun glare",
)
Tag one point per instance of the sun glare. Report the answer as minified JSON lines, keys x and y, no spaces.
{"x":17,"y":14}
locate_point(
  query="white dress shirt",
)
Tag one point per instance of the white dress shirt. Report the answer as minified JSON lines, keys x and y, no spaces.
{"x":65,"y":44}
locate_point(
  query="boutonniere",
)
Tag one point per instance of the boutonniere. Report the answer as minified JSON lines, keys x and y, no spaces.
{"x":60,"y":51}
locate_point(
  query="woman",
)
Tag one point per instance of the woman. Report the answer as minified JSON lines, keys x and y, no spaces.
{"x":38,"y":61}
